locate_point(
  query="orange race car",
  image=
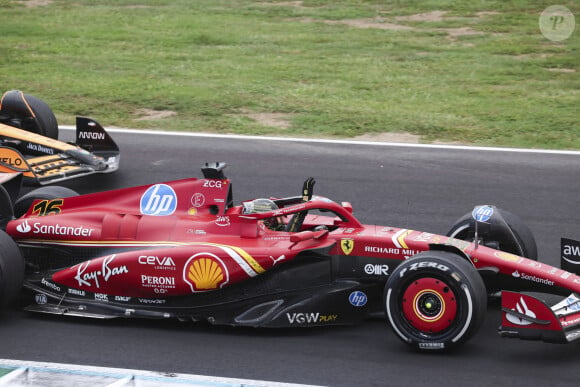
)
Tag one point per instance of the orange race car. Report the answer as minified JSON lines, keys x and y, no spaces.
{"x":29,"y":143}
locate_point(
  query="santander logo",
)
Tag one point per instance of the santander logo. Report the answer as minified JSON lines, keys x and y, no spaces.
{"x":24,"y":227}
{"x":54,"y":229}
{"x":522,"y":308}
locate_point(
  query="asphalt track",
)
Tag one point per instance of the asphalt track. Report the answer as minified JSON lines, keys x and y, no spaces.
{"x":420,"y":188}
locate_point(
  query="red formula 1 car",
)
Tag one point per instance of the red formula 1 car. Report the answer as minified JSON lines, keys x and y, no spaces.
{"x":182,"y":249}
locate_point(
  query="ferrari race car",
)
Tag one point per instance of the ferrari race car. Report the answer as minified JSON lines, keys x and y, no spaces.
{"x":29,"y":143}
{"x":183,"y":249}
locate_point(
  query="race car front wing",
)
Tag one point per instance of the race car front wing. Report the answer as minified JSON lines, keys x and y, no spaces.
{"x":527,"y":316}
{"x":94,"y":152}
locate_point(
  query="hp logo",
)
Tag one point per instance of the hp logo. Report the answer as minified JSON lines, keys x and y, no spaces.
{"x":357,"y":298}
{"x":159,"y":200}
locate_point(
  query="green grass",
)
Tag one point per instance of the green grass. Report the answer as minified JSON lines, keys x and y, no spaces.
{"x":213,"y":62}
{"x":4,"y":371}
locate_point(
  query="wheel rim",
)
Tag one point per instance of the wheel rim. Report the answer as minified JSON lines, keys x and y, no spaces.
{"x":429,"y":305}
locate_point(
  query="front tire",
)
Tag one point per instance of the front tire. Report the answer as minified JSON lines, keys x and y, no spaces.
{"x":519,"y":241}
{"x":29,"y":113}
{"x":435,"y":300}
{"x":48,"y":126}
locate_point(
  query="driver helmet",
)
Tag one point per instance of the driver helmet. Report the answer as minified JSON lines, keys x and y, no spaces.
{"x":259,"y":206}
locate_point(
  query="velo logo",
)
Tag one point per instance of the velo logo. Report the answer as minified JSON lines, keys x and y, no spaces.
{"x":159,"y":200}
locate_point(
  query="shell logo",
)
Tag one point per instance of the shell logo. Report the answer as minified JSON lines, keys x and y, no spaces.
{"x":205,"y":271}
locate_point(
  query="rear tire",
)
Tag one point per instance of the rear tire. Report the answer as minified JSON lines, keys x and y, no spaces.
{"x":435,"y":300}
{"x":11,"y":270}
{"x":23,"y":203}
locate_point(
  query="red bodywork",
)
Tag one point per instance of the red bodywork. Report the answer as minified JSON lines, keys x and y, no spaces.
{"x":192,"y":250}
{"x":185,"y":236}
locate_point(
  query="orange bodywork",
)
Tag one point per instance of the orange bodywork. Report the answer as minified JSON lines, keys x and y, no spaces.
{"x":36,"y":167}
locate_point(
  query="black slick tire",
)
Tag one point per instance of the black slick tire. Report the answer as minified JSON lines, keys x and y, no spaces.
{"x":435,"y":301}
{"x":11,"y":270}
{"x":48,"y":126}
{"x":464,"y":229}
{"x":24,"y":202}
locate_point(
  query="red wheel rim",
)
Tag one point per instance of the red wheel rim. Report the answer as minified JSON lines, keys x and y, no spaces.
{"x":429,"y":305}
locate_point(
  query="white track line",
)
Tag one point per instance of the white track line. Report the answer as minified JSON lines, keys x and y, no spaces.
{"x":327,"y":141}
{"x":23,"y":371}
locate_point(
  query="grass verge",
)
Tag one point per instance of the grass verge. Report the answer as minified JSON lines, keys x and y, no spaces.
{"x":475,"y":72}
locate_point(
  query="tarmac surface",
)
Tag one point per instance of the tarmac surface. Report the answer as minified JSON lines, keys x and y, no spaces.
{"x":422,"y":188}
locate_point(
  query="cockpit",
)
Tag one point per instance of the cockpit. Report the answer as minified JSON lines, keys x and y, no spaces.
{"x":294,"y":215}
{"x":291,"y":214}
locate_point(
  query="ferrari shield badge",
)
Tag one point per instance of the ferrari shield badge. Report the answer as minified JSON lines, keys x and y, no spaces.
{"x":346,"y":245}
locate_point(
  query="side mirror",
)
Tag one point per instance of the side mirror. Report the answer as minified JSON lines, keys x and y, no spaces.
{"x":306,"y":235}
{"x":347,"y":206}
